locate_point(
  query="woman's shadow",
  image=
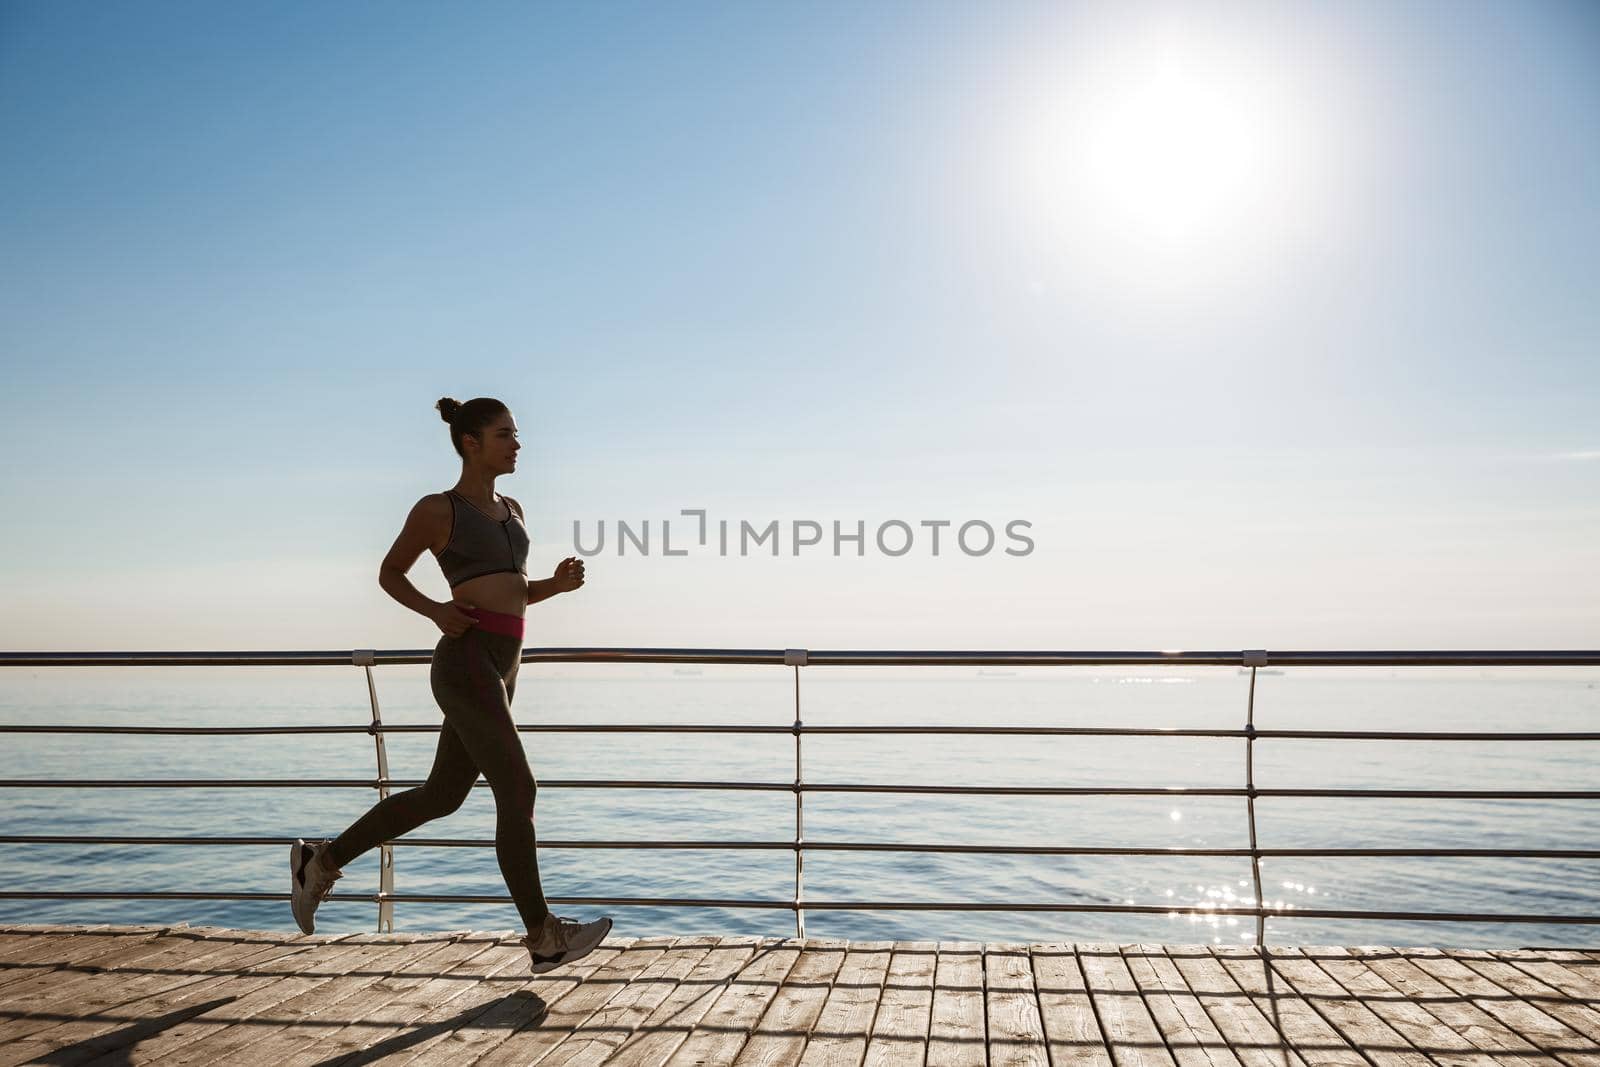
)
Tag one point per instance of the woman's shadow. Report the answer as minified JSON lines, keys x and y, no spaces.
{"x":511,"y":1012}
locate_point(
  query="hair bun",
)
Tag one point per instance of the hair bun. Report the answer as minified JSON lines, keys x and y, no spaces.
{"x":448,"y":408}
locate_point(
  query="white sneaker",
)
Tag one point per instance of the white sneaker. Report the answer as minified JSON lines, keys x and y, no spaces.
{"x":564,"y":940}
{"x":309,"y":881}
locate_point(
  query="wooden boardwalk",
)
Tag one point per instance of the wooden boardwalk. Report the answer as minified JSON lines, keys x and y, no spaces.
{"x":206,"y":995}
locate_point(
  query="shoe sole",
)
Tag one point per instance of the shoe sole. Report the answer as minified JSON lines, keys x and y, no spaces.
{"x":572,"y":954}
{"x":297,"y":901}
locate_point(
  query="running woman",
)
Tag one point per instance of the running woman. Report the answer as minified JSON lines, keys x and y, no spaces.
{"x":482,"y":548}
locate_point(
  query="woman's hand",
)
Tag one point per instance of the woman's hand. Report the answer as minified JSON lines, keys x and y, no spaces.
{"x":568,"y":575}
{"x":451,"y":620}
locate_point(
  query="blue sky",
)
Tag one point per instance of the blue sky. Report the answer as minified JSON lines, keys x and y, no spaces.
{"x":1276,"y":322}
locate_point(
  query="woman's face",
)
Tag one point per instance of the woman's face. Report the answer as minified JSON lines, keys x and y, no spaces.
{"x":500,"y":444}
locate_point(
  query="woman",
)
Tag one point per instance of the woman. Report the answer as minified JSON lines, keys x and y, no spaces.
{"x":482,"y":547}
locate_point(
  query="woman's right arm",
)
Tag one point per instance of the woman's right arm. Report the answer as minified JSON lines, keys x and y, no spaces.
{"x":423,"y":526}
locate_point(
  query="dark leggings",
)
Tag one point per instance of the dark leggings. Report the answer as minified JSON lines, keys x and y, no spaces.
{"x":474,"y":678}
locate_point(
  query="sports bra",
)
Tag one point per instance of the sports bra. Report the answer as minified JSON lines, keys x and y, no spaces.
{"x":479,"y":545}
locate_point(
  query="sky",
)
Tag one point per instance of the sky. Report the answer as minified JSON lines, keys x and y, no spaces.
{"x":1275,"y":324}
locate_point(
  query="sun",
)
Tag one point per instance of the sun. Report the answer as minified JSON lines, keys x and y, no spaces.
{"x":1168,"y":161}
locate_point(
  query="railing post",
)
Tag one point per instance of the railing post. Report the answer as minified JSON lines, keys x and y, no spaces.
{"x":365,"y":658}
{"x":1254,"y":658}
{"x":796,"y":658}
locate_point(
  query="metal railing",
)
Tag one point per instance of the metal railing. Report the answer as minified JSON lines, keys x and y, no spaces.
{"x":795,"y":659}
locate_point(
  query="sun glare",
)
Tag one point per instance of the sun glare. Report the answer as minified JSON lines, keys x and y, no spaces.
{"x":1166,"y":160}
{"x":1171,"y":159}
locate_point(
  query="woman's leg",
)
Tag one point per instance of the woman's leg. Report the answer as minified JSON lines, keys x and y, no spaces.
{"x":474,"y":678}
{"x":449,"y":782}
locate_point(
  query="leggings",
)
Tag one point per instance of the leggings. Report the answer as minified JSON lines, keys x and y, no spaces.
{"x":474,"y":678}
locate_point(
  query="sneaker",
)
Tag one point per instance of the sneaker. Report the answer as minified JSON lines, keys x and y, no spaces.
{"x":310,"y":881}
{"x":564,"y":940}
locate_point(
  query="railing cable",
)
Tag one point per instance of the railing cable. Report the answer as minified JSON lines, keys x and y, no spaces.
{"x":386,"y":896}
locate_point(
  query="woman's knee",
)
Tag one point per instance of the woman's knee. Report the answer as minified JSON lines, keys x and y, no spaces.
{"x":515,"y":794}
{"x":443,"y":800}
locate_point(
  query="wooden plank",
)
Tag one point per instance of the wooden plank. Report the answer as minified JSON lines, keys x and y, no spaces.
{"x":471,"y":983}
{"x":905,"y":1007}
{"x":1556,"y":970}
{"x":1470,"y":1021}
{"x":119,"y":1007}
{"x":658,"y":1033}
{"x":1565,"y":970}
{"x":1071,"y":1028}
{"x":1011,"y":1008}
{"x":266,"y":997}
{"x":779,"y":1037}
{"x":277,"y":976}
{"x":124,"y":953}
{"x":839,"y":1036}
{"x":1126,"y":1023}
{"x":1356,"y":1022}
{"x":519,"y":1001}
{"x":64,"y":952}
{"x":259,"y":1032}
{"x":1252,"y":1036}
{"x":1572,"y":957}
{"x":377,"y":1011}
{"x":126,"y":973}
{"x":604,"y":1031}
{"x":1191,"y":1037}
{"x":1421,"y":1028}
{"x":387,"y":1027}
{"x":17,"y":946}
{"x":13,"y":940}
{"x":1581,"y":1018}
{"x":148,"y":1021}
{"x":534,"y":1039}
{"x":1305,"y":1030}
{"x":675,"y":1018}
{"x":16,"y":934}
{"x":1538,"y":1027}
{"x":724,"y":1027}
{"x":958,"y":1034}
{"x":482,"y":980}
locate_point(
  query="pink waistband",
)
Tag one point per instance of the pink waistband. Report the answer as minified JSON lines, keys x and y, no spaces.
{"x":496,"y":622}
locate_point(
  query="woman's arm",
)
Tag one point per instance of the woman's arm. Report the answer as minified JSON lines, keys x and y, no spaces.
{"x":421,"y":530}
{"x":541,"y":589}
{"x":568,"y":576}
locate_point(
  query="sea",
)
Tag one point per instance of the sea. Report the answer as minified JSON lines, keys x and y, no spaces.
{"x":1164,"y":697}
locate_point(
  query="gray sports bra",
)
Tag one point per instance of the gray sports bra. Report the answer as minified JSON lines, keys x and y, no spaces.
{"x":479,"y":545}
